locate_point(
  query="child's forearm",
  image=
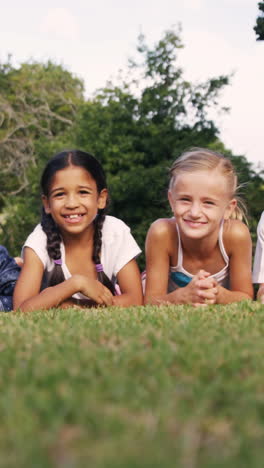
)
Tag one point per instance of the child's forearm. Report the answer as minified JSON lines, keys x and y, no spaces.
{"x":51,"y":297}
{"x":225,"y":296}
{"x":178,"y":296}
{"x":127,"y":299}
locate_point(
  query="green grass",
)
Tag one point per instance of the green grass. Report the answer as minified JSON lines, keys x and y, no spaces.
{"x":138,"y":387}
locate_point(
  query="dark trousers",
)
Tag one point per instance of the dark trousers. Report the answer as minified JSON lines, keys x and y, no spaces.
{"x":9,"y":272}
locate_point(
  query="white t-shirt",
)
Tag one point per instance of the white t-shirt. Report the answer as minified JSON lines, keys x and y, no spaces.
{"x":118,"y":248}
{"x":258,"y":268}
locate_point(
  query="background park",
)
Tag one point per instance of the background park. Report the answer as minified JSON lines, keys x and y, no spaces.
{"x":140,"y":387}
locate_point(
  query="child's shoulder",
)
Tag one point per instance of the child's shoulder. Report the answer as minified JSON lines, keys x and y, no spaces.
{"x":115,"y":230}
{"x":235,"y":231}
{"x":163,"y":228}
{"x":113,"y":224}
{"x":37,"y":234}
{"x":117,"y":238}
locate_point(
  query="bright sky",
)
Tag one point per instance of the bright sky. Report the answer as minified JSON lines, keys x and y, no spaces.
{"x":94,"y":39}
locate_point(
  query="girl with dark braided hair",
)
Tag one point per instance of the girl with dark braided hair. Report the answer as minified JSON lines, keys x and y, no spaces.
{"x":77,"y":253}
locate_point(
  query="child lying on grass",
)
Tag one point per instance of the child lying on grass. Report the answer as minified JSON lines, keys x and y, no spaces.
{"x":202,"y":255}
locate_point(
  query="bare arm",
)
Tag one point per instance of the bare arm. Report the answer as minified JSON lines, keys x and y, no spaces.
{"x":129,"y":281}
{"x":238,"y":240}
{"x":157,"y":264}
{"x":28,"y":297}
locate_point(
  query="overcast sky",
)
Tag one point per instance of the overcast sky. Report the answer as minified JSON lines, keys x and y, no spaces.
{"x":93,"y":39}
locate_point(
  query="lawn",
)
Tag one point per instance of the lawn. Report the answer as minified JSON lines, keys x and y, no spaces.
{"x":143,"y":387}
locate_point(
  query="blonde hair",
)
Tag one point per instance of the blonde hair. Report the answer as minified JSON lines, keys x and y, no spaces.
{"x":197,"y":159}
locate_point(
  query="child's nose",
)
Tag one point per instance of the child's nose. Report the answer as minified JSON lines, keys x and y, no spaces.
{"x":71,"y":201}
{"x":195,"y":209}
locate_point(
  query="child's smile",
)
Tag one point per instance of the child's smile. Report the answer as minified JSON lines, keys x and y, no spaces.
{"x":73,"y":218}
{"x":194,"y":224}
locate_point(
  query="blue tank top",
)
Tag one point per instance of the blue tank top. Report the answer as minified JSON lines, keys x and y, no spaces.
{"x":179,"y":277}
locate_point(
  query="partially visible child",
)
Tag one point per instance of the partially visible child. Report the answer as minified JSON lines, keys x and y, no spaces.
{"x":9,"y":271}
{"x":258,"y":268}
{"x":77,"y":253}
{"x":202,"y":255}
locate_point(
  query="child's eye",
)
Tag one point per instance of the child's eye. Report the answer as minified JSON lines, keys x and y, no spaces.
{"x":85,"y":192}
{"x":184,"y":199}
{"x":58,"y":194}
{"x":209,"y":202}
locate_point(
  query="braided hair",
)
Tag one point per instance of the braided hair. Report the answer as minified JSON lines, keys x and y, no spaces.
{"x":90,"y":164}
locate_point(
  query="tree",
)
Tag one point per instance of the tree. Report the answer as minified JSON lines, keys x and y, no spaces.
{"x":36,"y":100}
{"x":38,"y":105}
{"x":259,"y":28}
{"x":250,"y":183}
{"x":20,"y":213}
{"x":137,"y":128}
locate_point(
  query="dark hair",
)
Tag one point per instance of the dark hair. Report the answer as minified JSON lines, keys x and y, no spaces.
{"x":89,"y":163}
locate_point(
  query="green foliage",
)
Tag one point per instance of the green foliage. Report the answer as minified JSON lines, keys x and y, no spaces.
{"x":259,"y":28}
{"x":137,"y":129}
{"x":137,"y":387}
{"x":38,"y":105}
{"x":22,"y":212}
{"x":36,"y":100}
{"x":251,"y":186}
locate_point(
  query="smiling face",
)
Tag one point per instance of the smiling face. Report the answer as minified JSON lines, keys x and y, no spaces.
{"x":73,"y":200}
{"x":200,"y":201}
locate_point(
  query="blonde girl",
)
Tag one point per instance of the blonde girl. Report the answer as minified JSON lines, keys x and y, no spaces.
{"x":77,"y":253}
{"x":202,"y":255}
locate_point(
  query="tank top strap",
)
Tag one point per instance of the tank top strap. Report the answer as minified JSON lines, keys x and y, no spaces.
{"x":221,"y":243}
{"x":180,"y":255}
